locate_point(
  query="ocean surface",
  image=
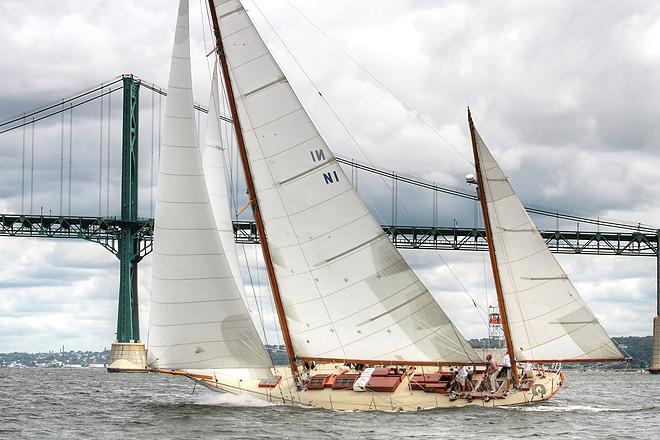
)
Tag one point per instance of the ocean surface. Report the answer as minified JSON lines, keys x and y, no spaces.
{"x":92,"y":404}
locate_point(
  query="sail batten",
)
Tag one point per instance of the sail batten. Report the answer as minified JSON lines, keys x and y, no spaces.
{"x":345,"y":290}
{"x":546,"y":317}
{"x":197,"y":317}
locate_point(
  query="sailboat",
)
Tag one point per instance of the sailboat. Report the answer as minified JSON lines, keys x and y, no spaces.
{"x":361,"y":330}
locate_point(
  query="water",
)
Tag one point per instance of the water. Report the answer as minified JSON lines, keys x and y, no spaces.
{"x":90,"y":403}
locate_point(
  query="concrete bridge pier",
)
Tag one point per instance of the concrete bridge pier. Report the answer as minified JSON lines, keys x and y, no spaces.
{"x":655,"y":359}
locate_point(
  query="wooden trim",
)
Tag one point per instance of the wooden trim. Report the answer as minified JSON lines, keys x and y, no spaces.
{"x":181,"y":373}
{"x":251,"y":191}
{"x":387,"y":362}
{"x":574,"y":361}
{"x":491,"y":252}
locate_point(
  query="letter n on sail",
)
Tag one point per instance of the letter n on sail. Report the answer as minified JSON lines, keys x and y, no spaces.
{"x":331,"y":177}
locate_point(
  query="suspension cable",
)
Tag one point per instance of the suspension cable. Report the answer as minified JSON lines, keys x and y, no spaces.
{"x":70,"y":151}
{"x":23,"y":171}
{"x":35,"y":112}
{"x":101,"y":157}
{"x":62,"y":158}
{"x":107,"y":175}
{"x":32,"y":170}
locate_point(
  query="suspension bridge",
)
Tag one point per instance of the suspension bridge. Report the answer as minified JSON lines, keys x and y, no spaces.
{"x":122,"y":231}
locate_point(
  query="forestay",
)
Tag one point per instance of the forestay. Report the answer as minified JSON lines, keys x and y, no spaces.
{"x":198,"y":319}
{"x":347,"y":292}
{"x":547,"y":317}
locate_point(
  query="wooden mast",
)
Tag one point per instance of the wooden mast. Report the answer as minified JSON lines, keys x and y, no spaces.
{"x":251,"y":190}
{"x":491,"y":252}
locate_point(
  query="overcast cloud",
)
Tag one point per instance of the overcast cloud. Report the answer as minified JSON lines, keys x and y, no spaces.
{"x":565,"y":93}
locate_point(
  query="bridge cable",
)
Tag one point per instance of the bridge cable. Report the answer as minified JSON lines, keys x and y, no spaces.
{"x":107,"y":177}
{"x":70,"y":151}
{"x":32,"y":170}
{"x":101,"y":158}
{"x":35,"y":112}
{"x":23,"y":171}
{"x":62,"y":158}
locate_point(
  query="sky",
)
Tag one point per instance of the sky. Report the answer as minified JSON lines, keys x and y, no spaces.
{"x":564,"y":93}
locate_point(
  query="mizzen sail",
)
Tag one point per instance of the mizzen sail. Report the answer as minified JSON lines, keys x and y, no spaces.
{"x":548,"y":320}
{"x":197,"y":318}
{"x":346,"y":291}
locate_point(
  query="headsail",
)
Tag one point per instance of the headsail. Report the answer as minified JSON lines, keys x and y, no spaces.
{"x":197,"y":319}
{"x":548,"y":319}
{"x":213,"y":163}
{"x":347,"y":292}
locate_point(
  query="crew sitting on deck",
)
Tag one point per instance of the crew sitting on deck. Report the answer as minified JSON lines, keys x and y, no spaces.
{"x":528,"y":371}
{"x":462,"y":378}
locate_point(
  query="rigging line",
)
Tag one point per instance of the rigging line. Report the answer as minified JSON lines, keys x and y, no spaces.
{"x":483,"y":262}
{"x":23,"y":172}
{"x":107,"y":176}
{"x":254,"y":291}
{"x":32,"y":171}
{"x":482,"y":312}
{"x":380,"y":83}
{"x":205,"y":8}
{"x":101,"y":158}
{"x":62,"y":158}
{"x":35,"y":112}
{"x":260,"y":306}
{"x":332,"y":110}
{"x":35,"y":119}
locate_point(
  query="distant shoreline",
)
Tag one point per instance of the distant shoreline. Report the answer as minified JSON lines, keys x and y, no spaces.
{"x":639,"y":348}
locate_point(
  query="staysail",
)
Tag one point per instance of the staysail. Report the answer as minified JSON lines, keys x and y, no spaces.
{"x":198,"y":319}
{"x":346,"y":291}
{"x":213,"y":163}
{"x":547,"y":318}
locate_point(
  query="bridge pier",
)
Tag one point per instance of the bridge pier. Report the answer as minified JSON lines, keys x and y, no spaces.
{"x":128,"y":353}
{"x":655,"y":357}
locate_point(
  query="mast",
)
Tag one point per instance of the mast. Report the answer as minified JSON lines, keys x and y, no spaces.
{"x":491,"y":253}
{"x":251,"y":190}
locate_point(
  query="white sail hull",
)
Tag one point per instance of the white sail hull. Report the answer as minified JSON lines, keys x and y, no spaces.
{"x":404,"y":398}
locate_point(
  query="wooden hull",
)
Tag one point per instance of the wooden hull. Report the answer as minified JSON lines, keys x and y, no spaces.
{"x":404,"y":398}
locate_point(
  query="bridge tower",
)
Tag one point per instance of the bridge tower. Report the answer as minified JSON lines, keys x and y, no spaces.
{"x":128,"y":352}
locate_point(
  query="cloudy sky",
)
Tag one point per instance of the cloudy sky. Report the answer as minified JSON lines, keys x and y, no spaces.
{"x":565,"y":93}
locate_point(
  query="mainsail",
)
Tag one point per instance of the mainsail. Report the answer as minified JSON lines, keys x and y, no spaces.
{"x":197,"y":319}
{"x":547,"y":318}
{"x":347,"y":292}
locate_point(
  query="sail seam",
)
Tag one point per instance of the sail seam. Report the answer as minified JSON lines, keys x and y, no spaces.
{"x":264,"y":87}
{"x":305,"y":173}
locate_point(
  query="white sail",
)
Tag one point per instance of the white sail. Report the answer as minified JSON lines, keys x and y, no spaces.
{"x":547,"y":317}
{"x":213,"y":163}
{"x":197,"y":319}
{"x":347,"y":292}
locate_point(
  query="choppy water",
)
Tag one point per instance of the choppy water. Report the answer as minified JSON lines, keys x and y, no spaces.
{"x":66,"y":403}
